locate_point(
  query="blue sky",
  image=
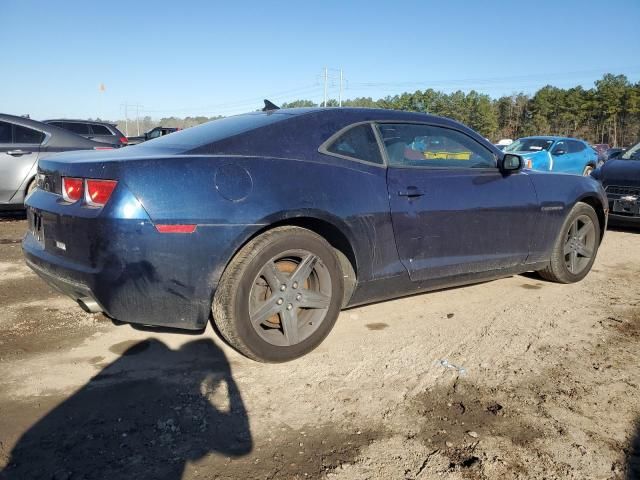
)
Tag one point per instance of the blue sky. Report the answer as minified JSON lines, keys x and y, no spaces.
{"x":208,"y":58}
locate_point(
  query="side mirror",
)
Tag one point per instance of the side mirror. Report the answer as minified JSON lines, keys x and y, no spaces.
{"x":511,"y":163}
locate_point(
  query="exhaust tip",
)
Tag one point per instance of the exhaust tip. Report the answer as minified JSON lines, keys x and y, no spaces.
{"x":89,"y":305}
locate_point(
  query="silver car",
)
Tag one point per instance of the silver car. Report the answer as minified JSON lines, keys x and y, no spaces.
{"x":22,"y":143}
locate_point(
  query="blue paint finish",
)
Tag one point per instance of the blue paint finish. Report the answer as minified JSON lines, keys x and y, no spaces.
{"x":266,"y":169}
{"x":560,"y":154}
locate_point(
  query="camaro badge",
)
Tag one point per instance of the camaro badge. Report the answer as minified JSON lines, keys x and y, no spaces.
{"x":629,"y":198}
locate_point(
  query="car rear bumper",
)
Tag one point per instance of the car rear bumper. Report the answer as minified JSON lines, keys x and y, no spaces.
{"x":121,"y":265}
{"x":131,"y":292}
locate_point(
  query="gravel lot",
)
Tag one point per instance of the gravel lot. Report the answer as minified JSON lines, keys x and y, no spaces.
{"x":517,"y":378}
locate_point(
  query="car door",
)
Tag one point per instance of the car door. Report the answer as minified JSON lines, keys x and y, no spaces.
{"x":19,"y":148}
{"x":453,"y":211}
{"x":562,"y":158}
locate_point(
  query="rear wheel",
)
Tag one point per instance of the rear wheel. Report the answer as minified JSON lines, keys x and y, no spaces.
{"x":31,"y":187}
{"x":280,"y":296}
{"x":576,"y":246}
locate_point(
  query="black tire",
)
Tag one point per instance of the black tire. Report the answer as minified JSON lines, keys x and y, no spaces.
{"x":249,"y":280}
{"x":31,"y":187}
{"x":573,"y":266}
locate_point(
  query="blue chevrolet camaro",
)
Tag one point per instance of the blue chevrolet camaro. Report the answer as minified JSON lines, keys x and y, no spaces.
{"x":556,"y":154}
{"x":271,"y":222}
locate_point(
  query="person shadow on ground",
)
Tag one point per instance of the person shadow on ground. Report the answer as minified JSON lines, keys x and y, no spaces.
{"x":633,"y":457}
{"x":143,"y":416}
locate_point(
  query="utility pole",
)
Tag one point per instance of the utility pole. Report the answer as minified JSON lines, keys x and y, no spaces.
{"x":340,"y":94}
{"x":126,"y":120}
{"x":326,"y":76}
{"x":138,"y":119}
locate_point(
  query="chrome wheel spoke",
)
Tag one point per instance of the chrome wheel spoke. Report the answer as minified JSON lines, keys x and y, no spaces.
{"x":312,"y":299}
{"x":289,"y":322}
{"x":304,"y":269}
{"x":267,"y":309}
{"x":567,"y":248}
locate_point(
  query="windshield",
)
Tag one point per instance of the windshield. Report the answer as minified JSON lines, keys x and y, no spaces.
{"x":632,"y":154}
{"x":529,"y":145}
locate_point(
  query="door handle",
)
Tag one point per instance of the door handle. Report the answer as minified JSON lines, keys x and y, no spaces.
{"x":17,"y":153}
{"x":411,"y":192}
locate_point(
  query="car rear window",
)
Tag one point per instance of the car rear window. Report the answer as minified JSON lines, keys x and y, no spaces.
{"x":215,"y":130}
{"x":100,"y":129}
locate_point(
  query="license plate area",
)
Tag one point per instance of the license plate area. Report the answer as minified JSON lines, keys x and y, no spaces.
{"x":628,"y":207}
{"x":36,"y":226}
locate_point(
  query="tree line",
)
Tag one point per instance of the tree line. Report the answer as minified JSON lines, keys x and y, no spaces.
{"x":609,"y":112}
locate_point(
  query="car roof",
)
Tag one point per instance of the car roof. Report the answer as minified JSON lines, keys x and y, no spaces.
{"x":552,"y":137}
{"x":73,"y":120}
{"x":59,"y":137}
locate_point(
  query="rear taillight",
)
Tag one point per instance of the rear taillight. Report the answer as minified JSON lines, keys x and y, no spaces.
{"x":72,"y":189}
{"x":124,"y":140}
{"x":97,"y":192}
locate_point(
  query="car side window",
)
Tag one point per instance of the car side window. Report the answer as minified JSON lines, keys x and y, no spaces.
{"x":417,"y":145}
{"x":560,"y":148}
{"x":78,"y":128}
{"x":155,"y":133}
{"x":27,"y":135}
{"x":5,"y":133}
{"x":99,"y":129}
{"x":358,"y":142}
{"x":575,"y":146}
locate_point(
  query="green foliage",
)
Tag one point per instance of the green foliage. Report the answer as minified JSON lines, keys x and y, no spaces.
{"x":607,"y":113}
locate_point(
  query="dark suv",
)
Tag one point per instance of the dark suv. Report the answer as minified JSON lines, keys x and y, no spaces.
{"x":103,"y":132}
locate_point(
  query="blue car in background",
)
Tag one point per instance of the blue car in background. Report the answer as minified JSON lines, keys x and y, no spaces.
{"x":555,"y":154}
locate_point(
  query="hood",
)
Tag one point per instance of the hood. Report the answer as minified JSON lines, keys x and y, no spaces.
{"x":620,"y":172}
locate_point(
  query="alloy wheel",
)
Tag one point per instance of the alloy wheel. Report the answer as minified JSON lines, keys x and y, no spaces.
{"x":290,"y":297}
{"x":580,"y":244}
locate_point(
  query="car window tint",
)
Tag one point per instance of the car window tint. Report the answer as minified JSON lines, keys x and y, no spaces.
{"x":358,"y":142}
{"x":559,"y":147}
{"x":99,"y":129}
{"x":26,"y":135}
{"x":215,"y":130}
{"x":5,"y":132}
{"x":575,"y":146}
{"x":79,"y":128}
{"x":417,"y":145}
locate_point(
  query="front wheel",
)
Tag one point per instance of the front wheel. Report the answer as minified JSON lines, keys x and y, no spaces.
{"x":280,"y":296}
{"x":575,"y":248}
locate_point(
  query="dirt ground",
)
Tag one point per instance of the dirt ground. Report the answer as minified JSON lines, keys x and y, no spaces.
{"x":517,"y":378}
